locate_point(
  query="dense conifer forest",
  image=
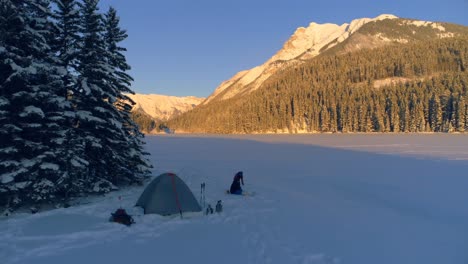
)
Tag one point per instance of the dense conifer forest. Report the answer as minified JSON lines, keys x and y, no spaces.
{"x":417,"y":87}
{"x":144,"y":121}
{"x":65,"y":123}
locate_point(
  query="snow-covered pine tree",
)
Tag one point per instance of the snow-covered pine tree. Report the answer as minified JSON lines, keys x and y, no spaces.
{"x":33,"y":122}
{"x":66,"y":46}
{"x":67,"y":39}
{"x":101,"y":123}
{"x":120,"y":81}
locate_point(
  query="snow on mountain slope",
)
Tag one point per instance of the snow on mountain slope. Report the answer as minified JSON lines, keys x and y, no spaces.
{"x":320,"y":199}
{"x":163,"y":107}
{"x":312,"y":39}
{"x":305,"y":43}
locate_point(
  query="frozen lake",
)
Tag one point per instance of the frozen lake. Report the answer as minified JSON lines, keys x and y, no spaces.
{"x":320,"y":199}
{"x":436,"y":146}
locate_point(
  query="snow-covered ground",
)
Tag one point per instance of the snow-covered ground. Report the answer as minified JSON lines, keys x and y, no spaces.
{"x":319,"y":199}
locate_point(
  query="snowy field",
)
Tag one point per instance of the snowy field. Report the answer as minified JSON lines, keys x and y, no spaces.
{"x":319,"y":199}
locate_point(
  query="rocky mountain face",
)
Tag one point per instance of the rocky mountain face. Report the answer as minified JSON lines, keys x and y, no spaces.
{"x":163,"y":107}
{"x":385,"y":74}
{"x":317,"y":39}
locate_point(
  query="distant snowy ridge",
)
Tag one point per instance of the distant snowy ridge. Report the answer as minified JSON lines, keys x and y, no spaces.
{"x":308,"y":42}
{"x":163,"y":107}
{"x":305,"y":43}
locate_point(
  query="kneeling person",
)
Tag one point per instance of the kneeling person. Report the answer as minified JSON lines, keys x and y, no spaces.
{"x":236,"y":183}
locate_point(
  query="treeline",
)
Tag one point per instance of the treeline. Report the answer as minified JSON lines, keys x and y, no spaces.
{"x":65,"y":123}
{"x":399,"y":29}
{"x":148,"y":124}
{"x":144,"y":121}
{"x":340,"y":94}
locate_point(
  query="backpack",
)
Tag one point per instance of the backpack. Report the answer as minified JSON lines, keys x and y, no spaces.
{"x":120,"y":216}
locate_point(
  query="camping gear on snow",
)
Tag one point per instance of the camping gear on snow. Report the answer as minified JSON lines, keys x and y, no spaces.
{"x":236,"y":183}
{"x":167,"y":194}
{"x":120,"y":216}
{"x":209,"y":210}
{"x":219,"y":207}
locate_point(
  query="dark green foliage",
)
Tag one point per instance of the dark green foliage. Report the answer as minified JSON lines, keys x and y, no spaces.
{"x":113,"y":144}
{"x":405,"y":29}
{"x":144,"y":121}
{"x":64,"y":128}
{"x":33,"y":119}
{"x":339,"y":93}
{"x":67,"y":39}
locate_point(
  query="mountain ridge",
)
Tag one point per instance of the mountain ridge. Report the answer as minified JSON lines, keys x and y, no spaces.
{"x":317,"y":39}
{"x":415,"y":87}
{"x":163,"y":107}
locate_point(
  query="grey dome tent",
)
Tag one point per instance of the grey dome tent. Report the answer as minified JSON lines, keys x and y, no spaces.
{"x":167,"y":194}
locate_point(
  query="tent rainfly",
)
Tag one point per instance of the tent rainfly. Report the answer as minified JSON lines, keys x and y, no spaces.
{"x":167,"y":194}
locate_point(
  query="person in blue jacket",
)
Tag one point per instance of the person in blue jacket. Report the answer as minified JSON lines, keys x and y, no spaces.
{"x":236,"y":183}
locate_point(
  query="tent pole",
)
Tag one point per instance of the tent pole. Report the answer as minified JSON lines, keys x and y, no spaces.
{"x":176,"y":196}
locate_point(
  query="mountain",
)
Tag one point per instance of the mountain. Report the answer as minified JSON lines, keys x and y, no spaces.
{"x":385,"y":74}
{"x":316,"y":39}
{"x":163,"y":107}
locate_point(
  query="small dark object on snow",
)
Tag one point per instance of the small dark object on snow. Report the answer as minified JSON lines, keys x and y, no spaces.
{"x":120,"y":216}
{"x":219,"y":207}
{"x":34,"y":210}
{"x":209,"y":209}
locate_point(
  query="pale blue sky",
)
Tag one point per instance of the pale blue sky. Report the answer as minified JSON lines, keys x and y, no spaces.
{"x":188,"y":47}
